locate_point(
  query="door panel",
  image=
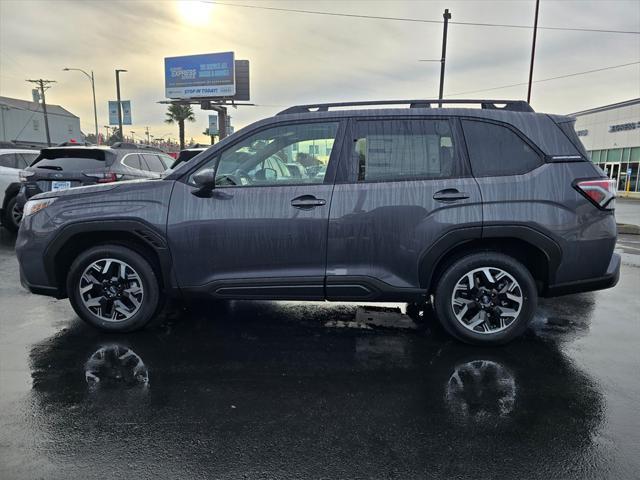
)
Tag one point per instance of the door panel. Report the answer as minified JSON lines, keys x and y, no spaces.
{"x":381,"y":230}
{"x":261,"y":232}
{"x":408,"y":184}
{"x":248,"y":233}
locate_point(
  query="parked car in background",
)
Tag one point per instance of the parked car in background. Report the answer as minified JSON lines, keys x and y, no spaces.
{"x":475,"y":212}
{"x":12,"y":160}
{"x":186,"y":155}
{"x":60,"y":168}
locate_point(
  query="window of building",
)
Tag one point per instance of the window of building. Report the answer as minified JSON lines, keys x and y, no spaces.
{"x":496,"y":150}
{"x":614,"y":155}
{"x":404,"y":149}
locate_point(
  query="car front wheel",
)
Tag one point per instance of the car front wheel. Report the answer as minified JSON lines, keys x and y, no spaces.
{"x":12,"y":215}
{"x":486,"y":298}
{"x":113,"y":288}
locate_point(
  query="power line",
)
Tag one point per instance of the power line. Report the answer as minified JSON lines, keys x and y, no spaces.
{"x":415,"y":20}
{"x":543,"y":79}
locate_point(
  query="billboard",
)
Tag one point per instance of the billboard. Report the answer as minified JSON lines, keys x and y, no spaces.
{"x":208,"y":75}
{"x":126,"y":112}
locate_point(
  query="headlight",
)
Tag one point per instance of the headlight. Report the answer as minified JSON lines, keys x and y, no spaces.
{"x":34,"y":206}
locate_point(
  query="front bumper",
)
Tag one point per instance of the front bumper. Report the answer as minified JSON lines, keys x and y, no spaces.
{"x":39,"y":289}
{"x":608,"y":280}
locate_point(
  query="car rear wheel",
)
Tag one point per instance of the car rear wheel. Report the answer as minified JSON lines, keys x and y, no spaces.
{"x":486,"y":298}
{"x":113,"y":288}
{"x":12,"y":215}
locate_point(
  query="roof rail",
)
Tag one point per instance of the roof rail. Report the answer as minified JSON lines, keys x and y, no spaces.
{"x":511,"y":105}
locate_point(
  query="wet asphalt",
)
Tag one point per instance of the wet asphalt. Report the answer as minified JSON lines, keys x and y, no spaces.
{"x":284,"y":390}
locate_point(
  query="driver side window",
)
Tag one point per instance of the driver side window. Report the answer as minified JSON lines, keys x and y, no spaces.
{"x":283,"y":155}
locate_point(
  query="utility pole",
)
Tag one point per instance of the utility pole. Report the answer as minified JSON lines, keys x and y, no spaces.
{"x":447,"y":16}
{"x":533,"y":51}
{"x":106,"y":137}
{"x":146,"y":129}
{"x":42,"y":84}
{"x":118,"y":71}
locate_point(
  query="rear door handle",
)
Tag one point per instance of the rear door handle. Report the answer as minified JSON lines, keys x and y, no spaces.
{"x":307,"y":202}
{"x":450,"y":195}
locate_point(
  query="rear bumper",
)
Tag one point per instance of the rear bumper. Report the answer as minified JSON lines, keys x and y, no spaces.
{"x":608,"y":280}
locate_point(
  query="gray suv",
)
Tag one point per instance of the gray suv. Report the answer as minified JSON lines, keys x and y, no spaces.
{"x":477,"y":211}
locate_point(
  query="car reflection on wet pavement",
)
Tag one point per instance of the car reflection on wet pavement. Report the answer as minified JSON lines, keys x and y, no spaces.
{"x":300,"y":390}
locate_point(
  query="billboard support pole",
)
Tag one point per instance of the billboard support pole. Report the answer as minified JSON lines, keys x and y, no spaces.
{"x":222,"y":122}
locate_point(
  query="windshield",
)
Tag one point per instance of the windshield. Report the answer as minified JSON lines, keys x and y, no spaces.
{"x":70,"y":159}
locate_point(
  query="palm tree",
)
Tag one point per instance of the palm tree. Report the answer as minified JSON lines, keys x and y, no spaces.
{"x":177,"y":113}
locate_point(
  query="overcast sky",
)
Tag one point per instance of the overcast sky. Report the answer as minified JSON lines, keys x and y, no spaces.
{"x":303,"y":58}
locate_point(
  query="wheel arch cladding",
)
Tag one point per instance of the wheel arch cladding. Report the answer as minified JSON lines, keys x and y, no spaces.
{"x":537,"y":252}
{"x":76,"y":238}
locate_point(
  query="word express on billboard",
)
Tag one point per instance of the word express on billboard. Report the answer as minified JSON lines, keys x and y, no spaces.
{"x":200,"y":76}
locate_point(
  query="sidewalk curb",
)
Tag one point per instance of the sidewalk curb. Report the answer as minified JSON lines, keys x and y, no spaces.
{"x":628,"y":229}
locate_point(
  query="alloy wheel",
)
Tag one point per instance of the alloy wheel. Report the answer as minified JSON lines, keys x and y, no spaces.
{"x":16,"y":214}
{"x":111,"y":290}
{"x":487,"y":300}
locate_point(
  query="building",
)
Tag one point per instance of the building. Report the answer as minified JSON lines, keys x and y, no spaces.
{"x":22,"y":122}
{"x":611,"y":135}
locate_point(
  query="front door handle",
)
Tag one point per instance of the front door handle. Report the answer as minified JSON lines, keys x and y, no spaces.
{"x":307,"y":202}
{"x":450,"y":195}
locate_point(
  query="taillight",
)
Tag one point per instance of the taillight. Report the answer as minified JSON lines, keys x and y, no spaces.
{"x":103,"y":177}
{"x":602,"y":193}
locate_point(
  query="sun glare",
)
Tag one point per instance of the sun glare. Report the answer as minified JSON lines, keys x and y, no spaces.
{"x":194,"y":12}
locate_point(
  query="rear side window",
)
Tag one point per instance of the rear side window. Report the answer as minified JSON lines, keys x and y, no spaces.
{"x":495,"y":150}
{"x":9,"y":160}
{"x":404,"y":149}
{"x":71,"y":159}
{"x":27,"y":159}
{"x":132,"y":160}
{"x":154,"y":163}
{"x":568,"y":128}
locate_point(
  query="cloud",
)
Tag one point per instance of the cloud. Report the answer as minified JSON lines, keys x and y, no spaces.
{"x":298,"y":58}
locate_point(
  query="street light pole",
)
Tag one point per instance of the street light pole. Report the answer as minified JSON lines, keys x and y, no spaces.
{"x":93,"y":90}
{"x":119,"y":104}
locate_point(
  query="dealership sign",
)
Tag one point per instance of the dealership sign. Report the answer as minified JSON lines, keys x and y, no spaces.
{"x":209,"y":75}
{"x":624,"y":127}
{"x":125,"y":110}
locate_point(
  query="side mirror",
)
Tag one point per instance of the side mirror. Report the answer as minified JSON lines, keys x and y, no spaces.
{"x":205,"y":180}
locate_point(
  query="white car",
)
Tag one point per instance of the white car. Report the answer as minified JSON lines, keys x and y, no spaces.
{"x":12,"y":160}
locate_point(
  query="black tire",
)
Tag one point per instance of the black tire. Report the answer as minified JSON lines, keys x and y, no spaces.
{"x":445,"y":290}
{"x":8,"y":221}
{"x":150,"y":305}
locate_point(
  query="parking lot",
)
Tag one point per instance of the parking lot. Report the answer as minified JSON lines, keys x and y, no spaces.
{"x":290,"y":390}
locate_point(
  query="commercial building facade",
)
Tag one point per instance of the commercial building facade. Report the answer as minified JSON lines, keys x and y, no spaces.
{"x":611,"y":135}
{"x":22,"y":122}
